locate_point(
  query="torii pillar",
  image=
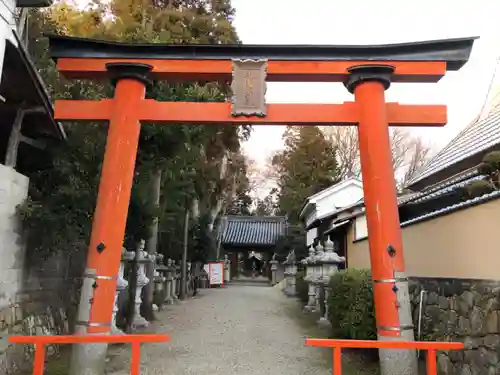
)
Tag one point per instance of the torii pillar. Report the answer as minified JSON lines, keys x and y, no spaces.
{"x":390,"y":284}
{"x":110,"y":216}
{"x":366,"y":71}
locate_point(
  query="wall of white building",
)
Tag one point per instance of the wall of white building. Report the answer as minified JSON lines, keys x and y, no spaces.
{"x":13,"y":192}
{"x":7,"y":24}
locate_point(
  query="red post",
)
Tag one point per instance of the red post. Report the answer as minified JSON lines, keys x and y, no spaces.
{"x":39,"y":360}
{"x":431,"y":347}
{"x":431,"y":362}
{"x":135,"y":362}
{"x":337,"y":361}
{"x":108,"y":226}
{"x":40,"y":341}
{"x":390,"y":286}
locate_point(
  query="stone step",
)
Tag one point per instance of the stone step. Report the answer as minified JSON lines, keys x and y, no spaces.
{"x":258,"y":281}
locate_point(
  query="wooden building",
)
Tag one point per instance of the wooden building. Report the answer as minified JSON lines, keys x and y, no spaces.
{"x":251,"y":240}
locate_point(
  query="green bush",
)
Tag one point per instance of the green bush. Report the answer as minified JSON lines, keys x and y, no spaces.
{"x":490,"y":163}
{"x":301,"y":287}
{"x":350,"y":305}
{"x":478,"y":188}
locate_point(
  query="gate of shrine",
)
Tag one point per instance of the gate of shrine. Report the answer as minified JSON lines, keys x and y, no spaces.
{"x":366,"y":71}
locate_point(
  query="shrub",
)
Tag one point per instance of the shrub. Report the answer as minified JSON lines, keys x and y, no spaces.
{"x":301,"y":287}
{"x":350,"y":305}
{"x":490,"y":163}
{"x":478,"y":188}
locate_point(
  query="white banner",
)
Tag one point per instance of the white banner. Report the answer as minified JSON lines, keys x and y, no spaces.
{"x":216,"y":273}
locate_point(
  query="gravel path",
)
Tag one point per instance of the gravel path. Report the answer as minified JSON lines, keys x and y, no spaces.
{"x":237,"y":330}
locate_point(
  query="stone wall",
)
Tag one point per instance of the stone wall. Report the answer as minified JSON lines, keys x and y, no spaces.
{"x":463,"y":310}
{"x":13,"y":191}
{"x":31,"y":317}
{"x":24,"y":295}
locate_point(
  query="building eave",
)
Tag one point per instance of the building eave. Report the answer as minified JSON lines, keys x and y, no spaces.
{"x":38,"y":84}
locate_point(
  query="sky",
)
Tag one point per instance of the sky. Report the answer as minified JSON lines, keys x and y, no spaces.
{"x":376,"y":22}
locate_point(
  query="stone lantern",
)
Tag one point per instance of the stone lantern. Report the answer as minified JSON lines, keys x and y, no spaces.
{"x":159,"y":280}
{"x":274,"y":270}
{"x":121,"y":285}
{"x":318,"y":276}
{"x":309,"y":278}
{"x":286,"y":274}
{"x":227,"y":269}
{"x":169,"y":275}
{"x":142,"y":258}
{"x":290,"y":272}
{"x":330,"y":261}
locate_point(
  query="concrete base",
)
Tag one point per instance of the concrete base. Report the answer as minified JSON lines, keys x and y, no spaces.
{"x":398,"y":361}
{"x":88,"y":359}
{"x":324,"y":323}
{"x":116,"y":331}
{"x":139,"y":323}
{"x":309,"y":309}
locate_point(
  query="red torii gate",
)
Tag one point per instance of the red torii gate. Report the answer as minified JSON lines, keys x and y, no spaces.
{"x":366,"y":71}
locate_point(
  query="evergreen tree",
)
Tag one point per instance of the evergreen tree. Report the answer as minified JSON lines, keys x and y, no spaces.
{"x":306,"y":166}
{"x":190,"y":157}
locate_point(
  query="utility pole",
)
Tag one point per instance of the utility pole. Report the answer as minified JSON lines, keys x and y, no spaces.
{"x":184,"y":256}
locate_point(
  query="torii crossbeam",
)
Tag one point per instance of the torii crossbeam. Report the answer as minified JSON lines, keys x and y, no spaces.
{"x":366,"y":71}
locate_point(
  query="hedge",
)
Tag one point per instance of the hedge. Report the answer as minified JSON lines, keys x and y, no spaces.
{"x":350,"y":305}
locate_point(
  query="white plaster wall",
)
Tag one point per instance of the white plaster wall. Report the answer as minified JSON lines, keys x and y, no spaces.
{"x":311,"y":218}
{"x":311,"y":235}
{"x":360,"y":228}
{"x":13,"y":191}
{"x":341,"y":198}
{"x":7,"y":24}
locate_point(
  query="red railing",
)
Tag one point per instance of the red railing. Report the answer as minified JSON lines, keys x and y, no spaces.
{"x":40,"y":341}
{"x":430,"y":346}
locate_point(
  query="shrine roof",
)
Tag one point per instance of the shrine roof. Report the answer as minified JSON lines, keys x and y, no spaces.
{"x":455,"y":52}
{"x":250,"y":231}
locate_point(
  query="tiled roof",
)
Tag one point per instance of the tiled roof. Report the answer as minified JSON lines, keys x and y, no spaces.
{"x":447,"y":189}
{"x":443,"y":188}
{"x":477,"y":137}
{"x":252,"y":230}
{"x":431,"y":193}
{"x":471,"y":202}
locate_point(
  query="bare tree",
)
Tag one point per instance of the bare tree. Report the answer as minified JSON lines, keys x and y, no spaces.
{"x":262,"y":178}
{"x":418,"y":155}
{"x":409,"y":153}
{"x":346,"y":140}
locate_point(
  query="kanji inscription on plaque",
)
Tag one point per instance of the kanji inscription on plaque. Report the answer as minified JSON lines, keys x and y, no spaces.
{"x":249,"y":88}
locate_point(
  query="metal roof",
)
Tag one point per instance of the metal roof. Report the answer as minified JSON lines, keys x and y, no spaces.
{"x":479,"y":136}
{"x":252,"y":230}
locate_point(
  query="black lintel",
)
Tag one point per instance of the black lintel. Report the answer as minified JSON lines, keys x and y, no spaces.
{"x":455,"y":52}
